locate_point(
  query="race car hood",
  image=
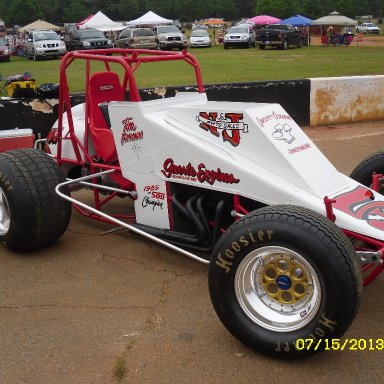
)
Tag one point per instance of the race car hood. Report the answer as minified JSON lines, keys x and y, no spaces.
{"x":266,"y":135}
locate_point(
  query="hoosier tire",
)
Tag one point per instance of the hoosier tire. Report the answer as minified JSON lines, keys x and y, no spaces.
{"x":363,"y":172}
{"x":284,"y":275}
{"x":32,"y":215}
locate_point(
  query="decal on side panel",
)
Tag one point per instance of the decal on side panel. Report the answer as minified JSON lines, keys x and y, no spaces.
{"x":130,"y":132}
{"x":229,"y":123}
{"x":199,"y":174}
{"x":359,"y":204}
{"x":154,"y":198}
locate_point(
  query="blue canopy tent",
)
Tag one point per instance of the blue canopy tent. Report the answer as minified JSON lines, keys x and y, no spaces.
{"x":299,"y":21}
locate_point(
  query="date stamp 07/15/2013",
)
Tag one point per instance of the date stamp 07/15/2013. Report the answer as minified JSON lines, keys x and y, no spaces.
{"x":340,"y":345}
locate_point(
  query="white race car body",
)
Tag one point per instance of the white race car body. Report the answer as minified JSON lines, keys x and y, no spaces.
{"x":254,"y":150}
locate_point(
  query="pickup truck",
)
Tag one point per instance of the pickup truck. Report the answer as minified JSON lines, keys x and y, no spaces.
{"x":368,"y":28}
{"x":278,"y":35}
{"x":169,"y":37}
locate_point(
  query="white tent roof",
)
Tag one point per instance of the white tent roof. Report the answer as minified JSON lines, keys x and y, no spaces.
{"x":39,"y":24}
{"x":102,"y":23}
{"x":334,"y":18}
{"x":150,"y":18}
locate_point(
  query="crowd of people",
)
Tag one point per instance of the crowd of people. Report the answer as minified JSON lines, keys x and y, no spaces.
{"x":337,"y":38}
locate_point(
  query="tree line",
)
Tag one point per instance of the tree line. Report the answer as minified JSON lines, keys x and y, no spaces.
{"x":22,"y":12}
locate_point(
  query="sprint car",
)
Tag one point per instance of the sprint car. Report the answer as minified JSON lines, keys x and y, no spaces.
{"x":289,"y":240}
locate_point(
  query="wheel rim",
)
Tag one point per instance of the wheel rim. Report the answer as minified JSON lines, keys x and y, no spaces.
{"x":278,"y":289}
{"x":5,"y":218}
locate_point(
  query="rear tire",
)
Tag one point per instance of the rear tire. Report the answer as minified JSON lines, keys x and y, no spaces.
{"x":282,"y":274}
{"x":372,"y":164}
{"x":32,"y":215}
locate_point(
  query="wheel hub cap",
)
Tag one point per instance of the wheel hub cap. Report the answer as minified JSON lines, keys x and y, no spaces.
{"x":278,"y":288}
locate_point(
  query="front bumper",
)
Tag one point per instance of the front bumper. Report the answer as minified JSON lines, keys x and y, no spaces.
{"x":49,"y":52}
{"x":173,"y":44}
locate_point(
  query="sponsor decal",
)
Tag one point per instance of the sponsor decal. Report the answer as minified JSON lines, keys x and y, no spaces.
{"x":154,"y":197}
{"x":359,"y":204}
{"x":299,"y":148}
{"x":272,"y":116}
{"x":199,"y":174}
{"x":106,"y":87}
{"x":149,"y":202}
{"x":130,"y":133}
{"x":283,"y":132}
{"x":229,"y":125}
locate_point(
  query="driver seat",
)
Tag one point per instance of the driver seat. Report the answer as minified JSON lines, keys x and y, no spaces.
{"x":103,"y":87}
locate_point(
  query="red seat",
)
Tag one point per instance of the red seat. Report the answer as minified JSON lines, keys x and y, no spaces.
{"x":103,"y":87}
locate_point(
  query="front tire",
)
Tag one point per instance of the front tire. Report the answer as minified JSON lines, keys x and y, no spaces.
{"x":32,"y":215}
{"x":282,"y":274}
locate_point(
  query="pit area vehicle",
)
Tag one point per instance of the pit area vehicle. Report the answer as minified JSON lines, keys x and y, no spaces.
{"x":280,"y":36}
{"x":238,"y":186}
{"x":368,"y":28}
{"x":44,"y":44}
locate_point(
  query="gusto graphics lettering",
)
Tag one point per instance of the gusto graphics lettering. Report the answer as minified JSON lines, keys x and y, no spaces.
{"x":272,"y":116}
{"x":201,"y":173}
{"x":130,"y":132}
{"x":229,"y":124}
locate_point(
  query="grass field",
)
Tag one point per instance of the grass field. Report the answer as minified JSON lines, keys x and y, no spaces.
{"x":227,"y":66}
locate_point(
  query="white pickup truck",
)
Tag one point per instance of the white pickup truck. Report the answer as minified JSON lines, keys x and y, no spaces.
{"x":368,"y":28}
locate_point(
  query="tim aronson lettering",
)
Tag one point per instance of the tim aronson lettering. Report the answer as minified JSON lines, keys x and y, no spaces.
{"x":130,"y":132}
{"x":229,"y":123}
{"x":201,"y":174}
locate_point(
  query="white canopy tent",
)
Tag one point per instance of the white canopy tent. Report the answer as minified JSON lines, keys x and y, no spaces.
{"x":39,"y":24}
{"x":150,"y":18}
{"x":335,"y":18}
{"x":102,"y":23}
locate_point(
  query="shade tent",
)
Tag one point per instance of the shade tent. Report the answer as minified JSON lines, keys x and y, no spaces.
{"x":150,"y":18}
{"x":39,"y":24}
{"x":297,"y":21}
{"x":335,"y":18}
{"x":102,"y":23}
{"x":264,"y":19}
{"x":84,"y":21}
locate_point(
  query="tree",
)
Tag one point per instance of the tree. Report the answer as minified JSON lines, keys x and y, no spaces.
{"x":19,"y":12}
{"x":75,"y":11}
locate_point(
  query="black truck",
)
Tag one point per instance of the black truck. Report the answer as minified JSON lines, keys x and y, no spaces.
{"x":278,"y":35}
{"x":86,"y":39}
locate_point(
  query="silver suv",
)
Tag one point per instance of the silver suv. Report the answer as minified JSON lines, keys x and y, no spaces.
{"x":240,"y":35}
{"x":169,"y":36}
{"x":44,"y":43}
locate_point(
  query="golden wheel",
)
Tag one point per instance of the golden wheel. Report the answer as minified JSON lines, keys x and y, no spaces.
{"x":278,"y":288}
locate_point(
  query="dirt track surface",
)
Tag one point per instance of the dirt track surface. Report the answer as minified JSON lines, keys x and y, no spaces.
{"x":71,"y":312}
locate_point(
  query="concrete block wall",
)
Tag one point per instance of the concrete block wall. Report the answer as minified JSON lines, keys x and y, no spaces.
{"x":346,"y":99}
